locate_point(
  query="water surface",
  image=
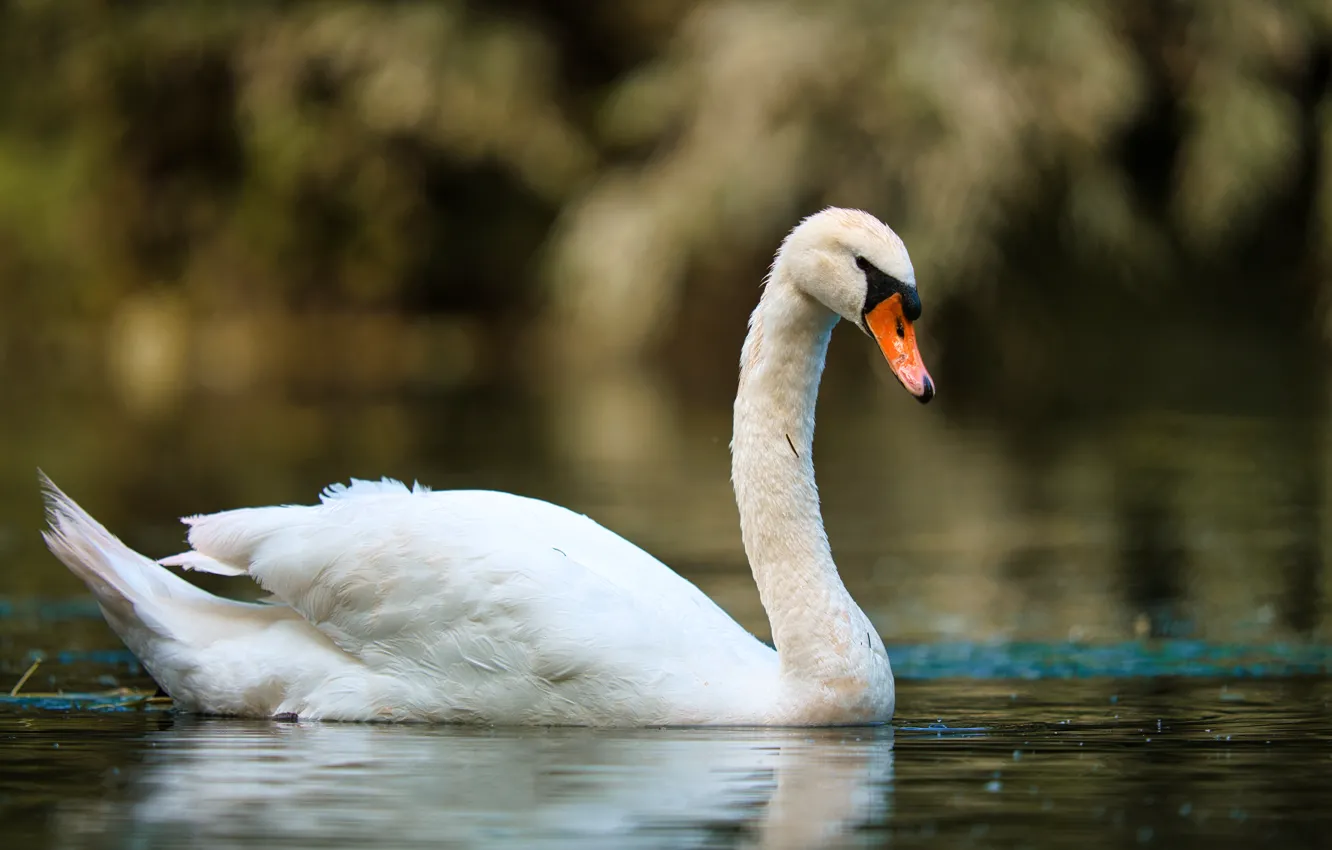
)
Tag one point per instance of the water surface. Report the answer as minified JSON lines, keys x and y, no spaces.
{"x":982,"y":763}
{"x":1109,"y":630}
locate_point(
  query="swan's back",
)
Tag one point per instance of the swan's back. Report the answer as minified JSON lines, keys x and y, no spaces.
{"x":369,"y":522}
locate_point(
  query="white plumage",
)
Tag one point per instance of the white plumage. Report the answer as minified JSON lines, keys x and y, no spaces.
{"x":451,"y":606}
{"x":397,"y":604}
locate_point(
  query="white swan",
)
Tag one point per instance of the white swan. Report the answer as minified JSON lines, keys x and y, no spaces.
{"x":485,"y":607}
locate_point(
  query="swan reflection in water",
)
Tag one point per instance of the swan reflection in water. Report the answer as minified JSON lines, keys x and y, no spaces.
{"x":232,"y":783}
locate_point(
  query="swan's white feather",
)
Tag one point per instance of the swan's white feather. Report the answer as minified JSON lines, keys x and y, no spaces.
{"x":362,"y":487}
{"x":200,"y":563}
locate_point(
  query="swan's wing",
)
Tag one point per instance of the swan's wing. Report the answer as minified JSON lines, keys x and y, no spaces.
{"x":507,"y":599}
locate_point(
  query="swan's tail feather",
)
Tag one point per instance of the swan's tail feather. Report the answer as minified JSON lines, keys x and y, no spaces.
{"x":174,"y":628}
{"x":201,"y":563}
{"x":225,"y":543}
{"x":131,"y":589}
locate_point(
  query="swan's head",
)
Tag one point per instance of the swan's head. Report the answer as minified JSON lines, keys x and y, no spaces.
{"x":856,"y":266}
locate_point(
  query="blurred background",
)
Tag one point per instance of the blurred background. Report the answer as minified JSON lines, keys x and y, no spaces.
{"x":252,"y":248}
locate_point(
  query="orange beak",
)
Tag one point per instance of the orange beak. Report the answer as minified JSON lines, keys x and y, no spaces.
{"x":897,"y":340}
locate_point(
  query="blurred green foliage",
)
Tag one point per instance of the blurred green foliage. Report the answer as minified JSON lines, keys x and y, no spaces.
{"x":605,"y":160}
{"x":219,"y":211}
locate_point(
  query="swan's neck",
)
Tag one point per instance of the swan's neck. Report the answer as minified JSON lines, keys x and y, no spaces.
{"x":823,"y":639}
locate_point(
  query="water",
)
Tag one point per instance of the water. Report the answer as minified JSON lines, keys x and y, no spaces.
{"x":1108,"y":629}
{"x":971,"y":763}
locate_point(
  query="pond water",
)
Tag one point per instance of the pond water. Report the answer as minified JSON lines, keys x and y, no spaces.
{"x":1108,"y":629}
{"x":1107,"y":762}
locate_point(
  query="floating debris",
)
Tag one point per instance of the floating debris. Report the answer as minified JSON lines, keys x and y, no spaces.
{"x":23,"y":680}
